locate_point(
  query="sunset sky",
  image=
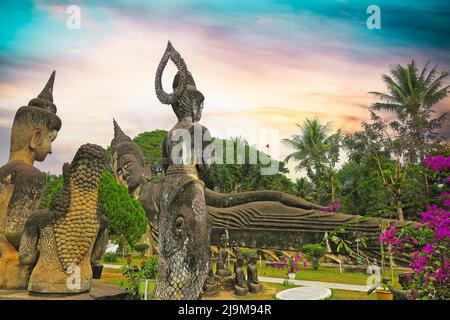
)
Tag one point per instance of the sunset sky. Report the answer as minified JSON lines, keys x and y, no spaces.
{"x":260,"y":64}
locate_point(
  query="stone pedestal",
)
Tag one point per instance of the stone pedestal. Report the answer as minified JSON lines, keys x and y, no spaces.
{"x":225,"y":283}
{"x":240,"y":291}
{"x":255,"y":287}
{"x":98,"y":292}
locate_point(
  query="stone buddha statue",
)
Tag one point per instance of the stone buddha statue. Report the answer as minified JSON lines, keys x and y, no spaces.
{"x":240,"y":285}
{"x":210,"y":287}
{"x":221,"y":266}
{"x":254,"y":286}
{"x":130,"y":170}
{"x":237,"y":251}
{"x":34,"y":128}
{"x":62,"y":242}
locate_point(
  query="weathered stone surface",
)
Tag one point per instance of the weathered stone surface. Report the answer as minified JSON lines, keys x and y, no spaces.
{"x":240,"y":284}
{"x":34,"y":128}
{"x":184,"y":226}
{"x":67,"y":234}
{"x":210,"y":287}
{"x":226,"y":283}
{"x":254,"y":286}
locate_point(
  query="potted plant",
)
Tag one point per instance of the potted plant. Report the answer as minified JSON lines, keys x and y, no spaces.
{"x":97,"y":270}
{"x":292,"y":265}
{"x":387,"y":238}
{"x":383,"y":292}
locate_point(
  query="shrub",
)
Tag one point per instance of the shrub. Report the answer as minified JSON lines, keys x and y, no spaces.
{"x":141,"y":248}
{"x":110,"y":257}
{"x":148,"y":269}
{"x":247,"y":252}
{"x":314,"y":252}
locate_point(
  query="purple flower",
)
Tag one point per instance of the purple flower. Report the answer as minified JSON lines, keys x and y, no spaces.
{"x":388,"y":237}
{"x":429,"y":249}
{"x":437,"y":163}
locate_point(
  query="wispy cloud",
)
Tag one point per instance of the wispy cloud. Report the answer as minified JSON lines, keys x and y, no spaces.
{"x":258,"y":63}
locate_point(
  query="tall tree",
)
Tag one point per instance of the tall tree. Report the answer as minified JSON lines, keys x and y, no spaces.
{"x":126,"y":217}
{"x":151,"y":143}
{"x":241,"y":175}
{"x":411,"y":96}
{"x":316,"y":151}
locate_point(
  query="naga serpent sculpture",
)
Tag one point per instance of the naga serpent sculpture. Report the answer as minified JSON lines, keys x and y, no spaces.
{"x":184,"y":225}
{"x":61,"y":242}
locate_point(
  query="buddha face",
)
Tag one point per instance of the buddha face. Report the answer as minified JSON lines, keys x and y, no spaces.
{"x":130,"y":171}
{"x":42,"y":144}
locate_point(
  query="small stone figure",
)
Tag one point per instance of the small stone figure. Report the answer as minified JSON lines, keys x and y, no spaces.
{"x":221,"y":269}
{"x":34,"y":128}
{"x":210,"y":287}
{"x":71,"y":234}
{"x":254,"y":286}
{"x":237,"y":253}
{"x":240,"y":285}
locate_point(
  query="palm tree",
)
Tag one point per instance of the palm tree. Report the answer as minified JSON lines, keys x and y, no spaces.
{"x":410,"y":96}
{"x":317,"y":152}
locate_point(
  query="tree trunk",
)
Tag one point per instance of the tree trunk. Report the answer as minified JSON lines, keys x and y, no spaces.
{"x":427,"y":185}
{"x":333,"y":189}
{"x":400,"y":213}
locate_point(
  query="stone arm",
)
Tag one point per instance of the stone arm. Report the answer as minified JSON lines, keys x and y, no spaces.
{"x":29,"y":252}
{"x":28,"y":184}
{"x":102,"y":240}
{"x":226,"y":200}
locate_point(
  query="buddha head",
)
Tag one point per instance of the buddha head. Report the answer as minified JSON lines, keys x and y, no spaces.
{"x":186,"y":100}
{"x":128,"y":160}
{"x":35,"y":127}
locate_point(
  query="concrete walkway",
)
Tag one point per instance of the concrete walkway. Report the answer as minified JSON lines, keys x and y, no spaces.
{"x":329,"y":285}
{"x":112,"y":266}
{"x":304,"y":283}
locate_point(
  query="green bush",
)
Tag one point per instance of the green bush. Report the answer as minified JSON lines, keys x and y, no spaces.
{"x":141,"y":248}
{"x":314,"y":253}
{"x":247,"y":252}
{"x":150,"y":269}
{"x":110,"y":257}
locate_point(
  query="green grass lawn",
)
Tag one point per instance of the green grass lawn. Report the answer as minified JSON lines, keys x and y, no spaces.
{"x":122,"y":261}
{"x":324,"y":274}
{"x":351,"y":295}
{"x":114,"y":277}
